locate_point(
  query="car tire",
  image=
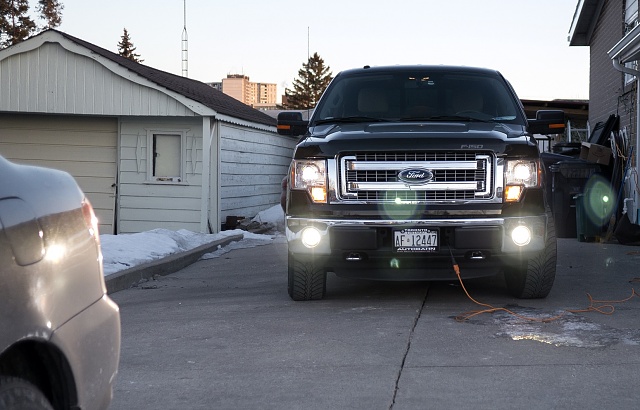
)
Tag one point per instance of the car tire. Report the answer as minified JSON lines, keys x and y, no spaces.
{"x":307,"y":280}
{"x":17,"y":393}
{"x":534,"y":278}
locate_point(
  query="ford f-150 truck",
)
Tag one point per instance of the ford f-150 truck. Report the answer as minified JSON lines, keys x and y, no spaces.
{"x":403,"y":172}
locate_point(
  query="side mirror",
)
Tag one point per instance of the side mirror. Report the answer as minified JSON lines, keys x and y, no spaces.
{"x":547,"y":122}
{"x":291,"y":123}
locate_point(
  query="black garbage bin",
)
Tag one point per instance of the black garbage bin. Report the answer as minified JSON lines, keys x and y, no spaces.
{"x":548,"y":159}
{"x":567,"y":182}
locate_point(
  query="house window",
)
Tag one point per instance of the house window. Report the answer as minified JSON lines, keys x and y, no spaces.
{"x":631,"y":14}
{"x":628,"y":78}
{"x":165,"y":156}
{"x":630,"y":22}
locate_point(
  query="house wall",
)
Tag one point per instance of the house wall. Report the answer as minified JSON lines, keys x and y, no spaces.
{"x":607,"y":92}
{"x":252,"y":165}
{"x":145,"y":204}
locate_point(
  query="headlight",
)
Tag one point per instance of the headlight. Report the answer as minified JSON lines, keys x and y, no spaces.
{"x":523,"y":172}
{"x":520,"y":174}
{"x":310,"y":175}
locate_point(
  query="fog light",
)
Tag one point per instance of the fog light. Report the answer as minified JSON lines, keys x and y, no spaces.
{"x":521,"y":235}
{"x":310,"y":237}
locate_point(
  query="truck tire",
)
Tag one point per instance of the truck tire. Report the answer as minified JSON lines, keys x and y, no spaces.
{"x":307,"y":280}
{"x":534,"y":278}
{"x":17,"y":393}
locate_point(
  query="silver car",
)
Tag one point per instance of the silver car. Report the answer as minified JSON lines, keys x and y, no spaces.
{"x":59,"y":331}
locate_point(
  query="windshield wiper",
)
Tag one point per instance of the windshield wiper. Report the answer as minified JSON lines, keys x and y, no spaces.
{"x":349,"y":119}
{"x":450,"y":118}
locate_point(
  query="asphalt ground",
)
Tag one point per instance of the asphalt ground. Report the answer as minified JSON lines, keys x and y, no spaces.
{"x":222,"y":333}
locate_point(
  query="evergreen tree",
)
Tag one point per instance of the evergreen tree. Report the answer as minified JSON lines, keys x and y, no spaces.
{"x":126,"y":48}
{"x":15,"y":23}
{"x":51,"y":12}
{"x":313,"y":79}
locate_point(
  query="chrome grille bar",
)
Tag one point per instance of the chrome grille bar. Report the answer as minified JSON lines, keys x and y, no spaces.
{"x":457,"y":176}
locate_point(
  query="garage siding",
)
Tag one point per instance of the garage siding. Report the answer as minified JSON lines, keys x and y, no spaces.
{"x":85,"y":147}
{"x":146,"y":205}
{"x":252,"y":165}
{"x":51,"y":79}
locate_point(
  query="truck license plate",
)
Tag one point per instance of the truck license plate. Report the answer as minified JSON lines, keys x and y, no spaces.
{"x":415,"y":240}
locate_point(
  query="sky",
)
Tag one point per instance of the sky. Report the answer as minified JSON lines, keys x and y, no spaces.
{"x":268,"y":41}
{"x":125,"y":251}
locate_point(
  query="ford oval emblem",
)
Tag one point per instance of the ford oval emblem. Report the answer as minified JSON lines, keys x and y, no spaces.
{"x":415,"y":176}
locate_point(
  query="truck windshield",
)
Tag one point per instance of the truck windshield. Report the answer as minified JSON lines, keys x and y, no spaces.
{"x":417,"y":96}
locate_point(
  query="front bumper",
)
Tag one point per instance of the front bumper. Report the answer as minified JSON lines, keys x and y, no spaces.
{"x":364,"y":248}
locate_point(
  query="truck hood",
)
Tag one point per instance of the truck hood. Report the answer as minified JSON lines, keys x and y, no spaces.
{"x":330,"y":140}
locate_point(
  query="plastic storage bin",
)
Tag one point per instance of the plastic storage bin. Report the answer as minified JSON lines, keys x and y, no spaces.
{"x":567,"y":181}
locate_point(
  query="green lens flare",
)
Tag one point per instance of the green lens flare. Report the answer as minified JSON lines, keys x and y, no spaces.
{"x":597,"y":204}
{"x":399,"y":210}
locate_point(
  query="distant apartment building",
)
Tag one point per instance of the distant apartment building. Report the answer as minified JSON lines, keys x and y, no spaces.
{"x":217,"y":86}
{"x":256,"y":95}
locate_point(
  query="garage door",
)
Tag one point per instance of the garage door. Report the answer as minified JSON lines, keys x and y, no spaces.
{"x":85,"y":147}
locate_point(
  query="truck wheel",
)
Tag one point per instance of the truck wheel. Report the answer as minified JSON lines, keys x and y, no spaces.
{"x":17,"y":393}
{"x":534,"y":278}
{"x":307,"y":280}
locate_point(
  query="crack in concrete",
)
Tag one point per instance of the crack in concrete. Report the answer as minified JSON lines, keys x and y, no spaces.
{"x":416,"y":319}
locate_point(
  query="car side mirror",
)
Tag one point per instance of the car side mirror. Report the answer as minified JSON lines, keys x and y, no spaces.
{"x":291,"y":123}
{"x":547,"y":122}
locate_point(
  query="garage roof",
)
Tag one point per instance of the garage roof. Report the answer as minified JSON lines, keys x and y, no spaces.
{"x":192,"y":89}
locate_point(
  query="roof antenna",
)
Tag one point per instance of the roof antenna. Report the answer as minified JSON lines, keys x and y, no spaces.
{"x":308,"y":58}
{"x":185,"y":47}
{"x":308,"y":49}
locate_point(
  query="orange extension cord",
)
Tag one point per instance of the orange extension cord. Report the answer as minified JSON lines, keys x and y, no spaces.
{"x":605,"y":307}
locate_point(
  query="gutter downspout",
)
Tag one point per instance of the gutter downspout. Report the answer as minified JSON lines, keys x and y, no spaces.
{"x":624,"y":69}
{"x":636,"y":74}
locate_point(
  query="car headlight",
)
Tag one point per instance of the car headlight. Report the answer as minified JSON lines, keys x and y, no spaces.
{"x":521,"y":174}
{"x":310,"y":175}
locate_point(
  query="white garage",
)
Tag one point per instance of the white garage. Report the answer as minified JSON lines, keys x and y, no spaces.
{"x":149,"y":148}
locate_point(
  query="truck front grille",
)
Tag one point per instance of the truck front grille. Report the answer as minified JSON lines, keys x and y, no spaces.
{"x":456,"y":176}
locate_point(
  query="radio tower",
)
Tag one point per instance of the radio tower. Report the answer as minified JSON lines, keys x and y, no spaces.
{"x":185,"y":46}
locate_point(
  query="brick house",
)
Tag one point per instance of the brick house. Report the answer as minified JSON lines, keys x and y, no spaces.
{"x":611,"y":31}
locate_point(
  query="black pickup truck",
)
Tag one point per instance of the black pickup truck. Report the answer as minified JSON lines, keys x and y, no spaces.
{"x":403,"y":172}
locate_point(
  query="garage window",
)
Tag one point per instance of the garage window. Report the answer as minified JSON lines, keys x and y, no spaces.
{"x":166,"y":156}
